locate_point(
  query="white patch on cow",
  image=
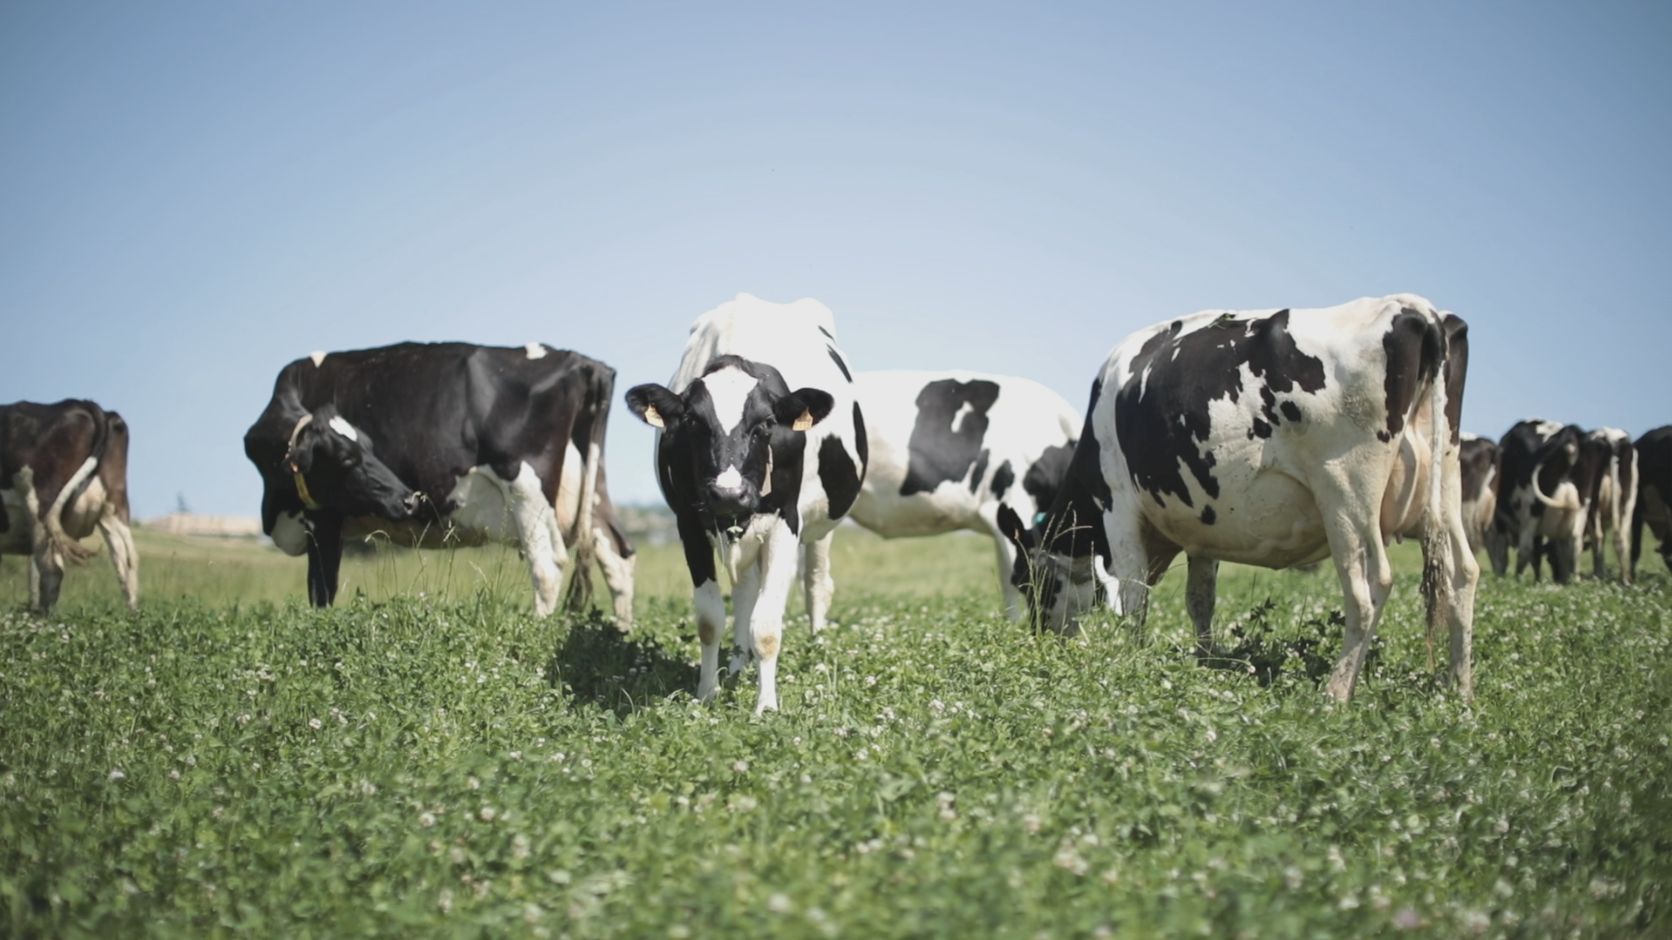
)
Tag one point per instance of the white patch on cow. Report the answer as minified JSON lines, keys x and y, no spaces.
{"x":289,"y":534}
{"x":729,"y":389}
{"x":958,"y":416}
{"x":536,"y":350}
{"x":515,"y":511}
{"x":341,"y":426}
{"x":729,"y":480}
{"x":318,"y":356}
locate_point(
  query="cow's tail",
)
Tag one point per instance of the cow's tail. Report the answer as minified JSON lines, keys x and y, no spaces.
{"x":1568,"y":503}
{"x":597,"y":411}
{"x":61,"y":540}
{"x":1436,"y":535}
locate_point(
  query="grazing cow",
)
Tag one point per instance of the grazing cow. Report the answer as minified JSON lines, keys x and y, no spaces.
{"x":1613,"y":499}
{"x":761,"y":453}
{"x":948,"y":447}
{"x":1549,"y":478}
{"x":1478,"y":461}
{"x":1271,"y":438}
{"x":64,"y":472}
{"x":1654,"y":494}
{"x":442,"y":444}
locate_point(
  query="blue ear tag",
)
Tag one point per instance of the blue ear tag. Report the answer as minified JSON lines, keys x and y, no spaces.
{"x":1039,"y":518}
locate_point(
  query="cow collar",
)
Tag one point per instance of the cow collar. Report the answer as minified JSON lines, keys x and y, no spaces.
{"x":308,"y":502}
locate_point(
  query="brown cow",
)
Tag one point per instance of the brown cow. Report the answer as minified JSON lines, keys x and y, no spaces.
{"x":64,"y":472}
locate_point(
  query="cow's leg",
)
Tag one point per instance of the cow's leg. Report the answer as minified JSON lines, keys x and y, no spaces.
{"x":745,"y":591}
{"x":1450,"y":581}
{"x":711,"y":622}
{"x":1599,"y":545}
{"x":816,"y":583}
{"x":618,"y":574}
{"x":777,"y":566}
{"x":1565,"y":552}
{"x":122,"y":556}
{"x":1622,"y":543}
{"x":537,"y":534}
{"x":1128,"y":575}
{"x":1532,"y":554}
{"x":1361,"y":563}
{"x":1014,"y":606}
{"x":1497,"y":549}
{"x":1199,"y":598}
{"x":325,"y":555}
{"x":46,"y":576}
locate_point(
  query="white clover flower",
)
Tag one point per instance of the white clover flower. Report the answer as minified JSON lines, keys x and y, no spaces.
{"x":778,"y":903}
{"x":117,"y":774}
{"x":487,"y":813}
{"x":426,"y":819}
{"x":315,"y":723}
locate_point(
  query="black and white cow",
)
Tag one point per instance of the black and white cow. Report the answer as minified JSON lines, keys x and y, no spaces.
{"x":1478,"y":461}
{"x":947,"y":448}
{"x":1613,"y":499}
{"x":1270,"y":438}
{"x":442,"y":444}
{"x":1549,"y":478}
{"x":761,"y":453}
{"x":1654,"y":494}
{"x":63,"y":473}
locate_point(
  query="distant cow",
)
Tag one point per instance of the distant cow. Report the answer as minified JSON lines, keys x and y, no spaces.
{"x":63,"y":473}
{"x":1478,"y":460}
{"x":1654,"y":494}
{"x":761,"y":452}
{"x":948,"y":447}
{"x":1613,"y":499}
{"x":443,"y":444}
{"x":1549,"y":479}
{"x":1270,"y":438}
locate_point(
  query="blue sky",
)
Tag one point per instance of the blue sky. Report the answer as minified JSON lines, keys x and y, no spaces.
{"x":193,"y":194}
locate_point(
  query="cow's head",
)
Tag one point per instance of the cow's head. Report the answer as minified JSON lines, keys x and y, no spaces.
{"x":728,"y":423}
{"x":333,"y":466}
{"x":1059,"y":588}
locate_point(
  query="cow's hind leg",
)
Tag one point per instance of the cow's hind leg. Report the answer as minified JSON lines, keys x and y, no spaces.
{"x":618,"y":570}
{"x":1199,"y":601}
{"x":1361,"y":563}
{"x":122,"y":556}
{"x":744,"y":593}
{"x":816,"y":583}
{"x":541,"y":542}
{"x":46,"y":576}
{"x":1450,"y":576}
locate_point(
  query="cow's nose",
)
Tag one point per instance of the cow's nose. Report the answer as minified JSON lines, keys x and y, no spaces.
{"x":728,"y":500}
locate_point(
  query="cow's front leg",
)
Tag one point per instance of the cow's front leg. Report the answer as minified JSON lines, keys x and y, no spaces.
{"x":766,"y":626}
{"x":325,"y":555}
{"x":711,"y":622}
{"x":542,"y":543}
{"x":744,"y":593}
{"x":1199,"y":599}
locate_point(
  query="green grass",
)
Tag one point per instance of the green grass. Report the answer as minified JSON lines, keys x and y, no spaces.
{"x":228,"y":760}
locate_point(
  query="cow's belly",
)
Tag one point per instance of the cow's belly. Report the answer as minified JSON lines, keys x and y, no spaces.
{"x":884,"y":511}
{"x":15,"y":539}
{"x":1271,"y":520}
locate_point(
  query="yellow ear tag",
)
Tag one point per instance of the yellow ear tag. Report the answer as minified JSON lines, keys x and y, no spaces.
{"x":652,"y":417}
{"x":804,"y":422}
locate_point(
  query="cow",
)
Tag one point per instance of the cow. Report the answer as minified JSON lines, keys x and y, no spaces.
{"x":443,"y":444}
{"x":1613,"y":499}
{"x":760,"y":452}
{"x":63,"y":473}
{"x":1271,"y":438}
{"x":1654,"y":494}
{"x":948,"y":447}
{"x":1549,"y":479}
{"x":1478,"y":460}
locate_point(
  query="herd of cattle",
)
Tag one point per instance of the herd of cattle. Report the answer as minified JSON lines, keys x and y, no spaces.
{"x":1272,"y":438}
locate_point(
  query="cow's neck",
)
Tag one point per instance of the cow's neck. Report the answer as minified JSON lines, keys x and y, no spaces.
{"x":1074,"y":524}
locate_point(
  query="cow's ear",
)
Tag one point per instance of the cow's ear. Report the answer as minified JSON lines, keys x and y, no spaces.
{"x":1011,"y":527}
{"x":803,"y":408}
{"x":654,"y":405}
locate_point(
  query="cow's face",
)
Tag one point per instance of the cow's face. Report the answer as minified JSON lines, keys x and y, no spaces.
{"x":1058,"y":588}
{"x":335,"y":468}
{"x":729,"y":423}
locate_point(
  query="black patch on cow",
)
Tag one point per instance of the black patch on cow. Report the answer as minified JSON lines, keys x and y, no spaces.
{"x":836,"y":357}
{"x":1457,"y":370}
{"x":1161,"y":414}
{"x":839,"y":476}
{"x":938,"y":452}
{"x":1208,"y":515}
{"x":1044,"y":478}
{"x":1002,"y":478}
{"x":1290,"y":411}
{"x":860,"y":441}
{"x":1259,"y":429}
{"x":1477,"y":458}
{"x":980,"y":470}
{"x":1414,"y":345}
{"x":789,"y":450}
{"x":827,"y":334}
{"x":1074,"y":525}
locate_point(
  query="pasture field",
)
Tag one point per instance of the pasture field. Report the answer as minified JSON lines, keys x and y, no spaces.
{"x":441,"y":763}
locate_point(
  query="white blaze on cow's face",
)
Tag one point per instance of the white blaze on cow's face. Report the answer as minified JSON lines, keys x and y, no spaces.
{"x":730,"y":390}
